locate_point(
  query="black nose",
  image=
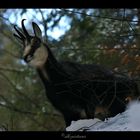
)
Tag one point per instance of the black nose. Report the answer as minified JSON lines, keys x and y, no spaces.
{"x":25,"y":58}
{"x":28,"y":58}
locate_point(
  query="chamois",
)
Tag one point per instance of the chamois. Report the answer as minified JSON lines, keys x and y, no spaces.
{"x":76,"y":90}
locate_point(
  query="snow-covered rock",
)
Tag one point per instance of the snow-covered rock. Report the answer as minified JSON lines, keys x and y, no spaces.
{"x":126,"y":121}
{"x":81,"y":125}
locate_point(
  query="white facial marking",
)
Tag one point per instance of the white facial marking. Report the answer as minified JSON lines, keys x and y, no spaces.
{"x":26,"y":50}
{"x":40,"y":57}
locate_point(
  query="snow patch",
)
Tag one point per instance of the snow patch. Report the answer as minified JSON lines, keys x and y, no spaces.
{"x":81,"y":125}
{"x":126,"y":121}
{"x":134,"y":116}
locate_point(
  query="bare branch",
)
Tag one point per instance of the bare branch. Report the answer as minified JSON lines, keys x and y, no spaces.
{"x":111,"y":18}
{"x":10,"y":69}
{"x":19,"y":92}
{"x":27,"y":113}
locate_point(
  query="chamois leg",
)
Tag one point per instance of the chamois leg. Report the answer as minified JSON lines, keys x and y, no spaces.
{"x":101,"y":113}
{"x":90,"y":111}
{"x":67,"y":121}
{"x":74,"y":116}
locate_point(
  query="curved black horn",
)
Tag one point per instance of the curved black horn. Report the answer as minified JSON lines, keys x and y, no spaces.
{"x":21,"y":35}
{"x":24,"y":30}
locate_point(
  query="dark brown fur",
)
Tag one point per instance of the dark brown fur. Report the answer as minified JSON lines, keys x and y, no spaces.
{"x":77,"y":90}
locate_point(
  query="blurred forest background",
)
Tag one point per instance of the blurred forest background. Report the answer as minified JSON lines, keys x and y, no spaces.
{"x":110,"y":37}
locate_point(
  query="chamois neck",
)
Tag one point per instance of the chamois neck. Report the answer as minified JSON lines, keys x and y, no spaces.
{"x":52,"y":71}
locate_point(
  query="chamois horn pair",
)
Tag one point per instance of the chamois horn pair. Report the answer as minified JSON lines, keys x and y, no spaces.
{"x":23,"y":34}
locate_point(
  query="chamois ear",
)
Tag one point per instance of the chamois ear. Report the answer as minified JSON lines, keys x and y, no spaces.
{"x":37,"y":30}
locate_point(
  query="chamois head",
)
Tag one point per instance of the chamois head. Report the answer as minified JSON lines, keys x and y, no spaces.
{"x":34,"y":53}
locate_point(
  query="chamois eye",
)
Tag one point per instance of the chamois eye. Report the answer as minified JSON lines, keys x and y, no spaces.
{"x":35,"y":42}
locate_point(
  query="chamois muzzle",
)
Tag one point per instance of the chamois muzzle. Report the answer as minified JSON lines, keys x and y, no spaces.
{"x":28,"y":58}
